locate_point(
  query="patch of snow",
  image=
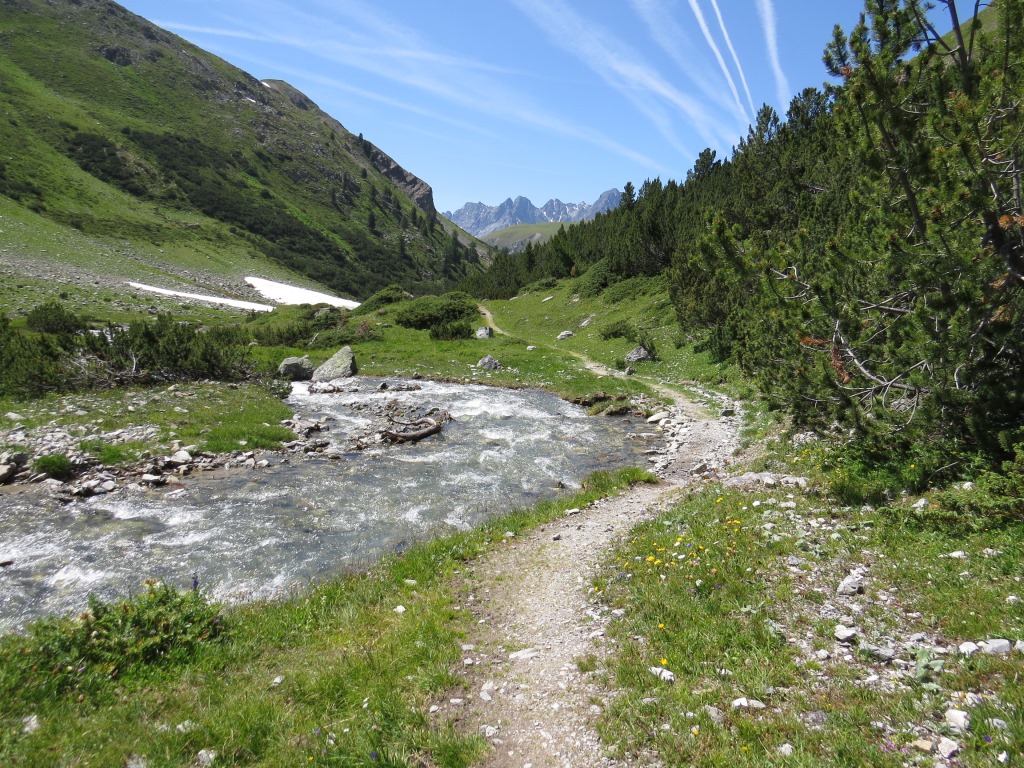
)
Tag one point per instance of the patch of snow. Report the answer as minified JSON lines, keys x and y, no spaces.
{"x":199,"y":297}
{"x":289,"y":294}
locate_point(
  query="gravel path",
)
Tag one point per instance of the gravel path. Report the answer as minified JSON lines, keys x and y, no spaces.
{"x":536,"y":615}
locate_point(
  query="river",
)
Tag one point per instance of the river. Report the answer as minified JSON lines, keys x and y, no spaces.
{"x":261,"y":534}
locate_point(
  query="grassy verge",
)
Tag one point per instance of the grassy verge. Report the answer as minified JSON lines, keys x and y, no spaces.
{"x":214,"y":416}
{"x":735,"y":593}
{"x":338,"y":675}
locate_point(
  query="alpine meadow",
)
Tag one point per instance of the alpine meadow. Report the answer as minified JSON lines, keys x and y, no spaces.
{"x":294,"y":470}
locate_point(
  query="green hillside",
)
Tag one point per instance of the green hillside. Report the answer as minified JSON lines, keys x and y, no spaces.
{"x":516,"y":238}
{"x":140,"y":156}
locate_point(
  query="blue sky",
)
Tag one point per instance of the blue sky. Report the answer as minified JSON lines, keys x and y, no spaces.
{"x":543,"y":98}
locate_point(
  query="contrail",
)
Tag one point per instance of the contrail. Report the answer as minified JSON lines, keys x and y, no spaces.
{"x":735,"y":58}
{"x":718,"y":54}
{"x":767,"y":13}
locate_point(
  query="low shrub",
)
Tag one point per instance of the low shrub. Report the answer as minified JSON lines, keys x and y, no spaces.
{"x":53,"y":317}
{"x":460,"y":329}
{"x":393,"y":294}
{"x":161,"y":627}
{"x":55,"y":465}
{"x":429,"y":311}
{"x":618,"y":329}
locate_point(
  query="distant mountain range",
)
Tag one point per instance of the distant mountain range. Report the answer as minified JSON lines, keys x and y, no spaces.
{"x":481,"y":220}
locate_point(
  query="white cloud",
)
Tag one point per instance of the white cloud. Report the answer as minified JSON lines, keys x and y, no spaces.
{"x":767,"y":13}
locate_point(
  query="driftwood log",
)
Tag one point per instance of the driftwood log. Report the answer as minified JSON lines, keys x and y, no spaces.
{"x":415,"y":430}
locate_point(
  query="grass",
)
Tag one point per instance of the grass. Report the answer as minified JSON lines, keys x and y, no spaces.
{"x":710,"y":594}
{"x":213,"y":416}
{"x":332,"y":676}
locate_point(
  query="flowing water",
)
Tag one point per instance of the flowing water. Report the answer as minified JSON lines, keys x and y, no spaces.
{"x":262,"y":533}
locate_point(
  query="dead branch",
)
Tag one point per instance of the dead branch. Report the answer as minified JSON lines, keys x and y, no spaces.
{"x":417,"y":430}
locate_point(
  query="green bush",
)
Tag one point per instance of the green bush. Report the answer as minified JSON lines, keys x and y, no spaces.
{"x":618,"y":329}
{"x":53,"y":317}
{"x":161,"y":627}
{"x":994,"y":498}
{"x":55,"y":465}
{"x":393,"y":294}
{"x":595,"y":279}
{"x":460,"y":329}
{"x":429,"y":311}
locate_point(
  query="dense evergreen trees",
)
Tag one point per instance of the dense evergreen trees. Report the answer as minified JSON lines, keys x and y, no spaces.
{"x":862,"y":259}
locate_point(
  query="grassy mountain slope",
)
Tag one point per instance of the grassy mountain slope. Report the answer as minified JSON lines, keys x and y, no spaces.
{"x":152,"y":156}
{"x":515,"y":238}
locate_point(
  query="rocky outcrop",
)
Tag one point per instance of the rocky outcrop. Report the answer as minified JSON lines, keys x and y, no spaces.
{"x":341,"y":366}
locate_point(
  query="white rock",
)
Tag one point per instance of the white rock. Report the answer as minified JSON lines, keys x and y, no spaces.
{"x":524,"y":655}
{"x":958,"y":720}
{"x":658,"y":417}
{"x":1019,"y":646}
{"x":957,"y":555}
{"x":1012,"y":599}
{"x":1003,"y":757}
{"x":744,"y":703}
{"x":851,"y":585}
{"x":399,"y":609}
{"x":947,"y":748}
{"x":185,"y":727}
{"x":997,"y":646}
{"x":206,"y":758}
{"x":968,"y":648}
{"x":921,"y":504}
{"x":277,"y":681}
{"x":488,"y":731}
{"x":663,"y":674}
{"x":845,"y":634}
{"x":565,"y":335}
{"x":30,"y":724}
{"x":786,"y":750}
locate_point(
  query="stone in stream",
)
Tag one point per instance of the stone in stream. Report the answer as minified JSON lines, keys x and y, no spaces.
{"x":342,"y":365}
{"x":296,"y":368}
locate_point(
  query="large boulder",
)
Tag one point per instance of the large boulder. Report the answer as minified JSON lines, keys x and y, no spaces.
{"x":638,"y":355}
{"x":484,"y":332}
{"x":340,"y":366}
{"x":296,"y":368}
{"x":489,"y":363}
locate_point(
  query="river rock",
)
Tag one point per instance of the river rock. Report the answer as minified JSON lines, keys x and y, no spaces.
{"x":489,"y":363}
{"x":180,"y":458}
{"x":484,"y":332}
{"x":638,"y":355}
{"x":296,"y":368}
{"x":7,"y":471}
{"x":341,"y":366}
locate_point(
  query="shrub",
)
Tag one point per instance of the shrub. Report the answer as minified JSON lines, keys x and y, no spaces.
{"x":161,"y":627}
{"x":55,"y":465}
{"x":53,"y":317}
{"x":428,"y":311}
{"x":618,"y":329}
{"x":382,"y":298}
{"x":595,"y":279}
{"x":460,"y":329}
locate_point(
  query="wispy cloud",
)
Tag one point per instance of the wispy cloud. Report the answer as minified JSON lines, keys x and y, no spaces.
{"x":672,"y":38}
{"x":710,"y":40}
{"x":365,"y":37}
{"x":767,"y":13}
{"x":735,"y":58}
{"x":623,"y":69}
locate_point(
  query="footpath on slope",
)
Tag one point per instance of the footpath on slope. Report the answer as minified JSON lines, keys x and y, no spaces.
{"x":536,"y":615}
